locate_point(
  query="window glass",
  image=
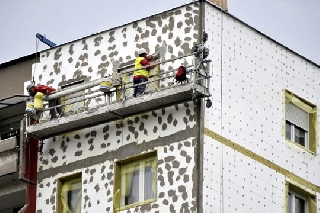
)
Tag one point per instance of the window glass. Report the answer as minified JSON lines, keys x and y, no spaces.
{"x":288,"y":130}
{"x":71,"y":196}
{"x":138,"y":181}
{"x":300,"y":205}
{"x":299,"y":135}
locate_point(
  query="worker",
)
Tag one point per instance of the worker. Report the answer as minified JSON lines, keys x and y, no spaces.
{"x":142,"y":74}
{"x":46,"y":90}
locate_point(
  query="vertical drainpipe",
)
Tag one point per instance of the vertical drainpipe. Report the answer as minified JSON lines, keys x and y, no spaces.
{"x":200,"y":121}
{"x":30,"y":173}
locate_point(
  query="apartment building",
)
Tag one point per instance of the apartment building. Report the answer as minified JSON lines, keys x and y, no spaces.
{"x":254,"y":150}
{"x":15,"y":183}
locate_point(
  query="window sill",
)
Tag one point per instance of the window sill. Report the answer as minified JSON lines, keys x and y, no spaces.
{"x":301,"y":148}
{"x":135,"y":204}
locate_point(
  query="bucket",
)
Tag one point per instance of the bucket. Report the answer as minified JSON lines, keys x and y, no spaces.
{"x":30,"y":111}
{"x":105,"y":85}
{"x":38,"y":102}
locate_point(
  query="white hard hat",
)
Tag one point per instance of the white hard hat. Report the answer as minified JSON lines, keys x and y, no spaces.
{"x":141,"y":51}
{"x":29,"y":87}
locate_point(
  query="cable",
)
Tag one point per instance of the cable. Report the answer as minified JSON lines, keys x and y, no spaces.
{"x":221,"y":106}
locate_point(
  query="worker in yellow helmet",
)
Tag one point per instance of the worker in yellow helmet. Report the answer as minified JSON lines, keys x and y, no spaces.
{"x":141,"y":74}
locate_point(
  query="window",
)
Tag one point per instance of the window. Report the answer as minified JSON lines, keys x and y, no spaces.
{"x":136,"y":181}
{"x":69,"y":194}
{"x":300,"y":201}
{"x":296,"y":203}
{"x":301,"y":120}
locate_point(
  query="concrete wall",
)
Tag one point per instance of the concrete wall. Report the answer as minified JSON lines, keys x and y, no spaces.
{"x":250,"y":73}
{"x":171,"y":131}
{"x":13,"y":77}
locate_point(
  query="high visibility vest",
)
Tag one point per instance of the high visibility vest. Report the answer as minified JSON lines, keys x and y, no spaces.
{"x":137,"y":65}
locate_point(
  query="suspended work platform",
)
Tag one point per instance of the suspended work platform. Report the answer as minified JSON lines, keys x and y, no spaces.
{"x":118,"y":110}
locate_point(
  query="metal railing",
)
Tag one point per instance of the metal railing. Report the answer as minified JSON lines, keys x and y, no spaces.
{"x":92,"y":98}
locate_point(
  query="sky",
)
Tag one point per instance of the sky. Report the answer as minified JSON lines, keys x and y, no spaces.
{"x":293,"y":23}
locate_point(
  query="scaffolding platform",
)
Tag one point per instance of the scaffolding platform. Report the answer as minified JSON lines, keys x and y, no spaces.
{"x":118,"y":110}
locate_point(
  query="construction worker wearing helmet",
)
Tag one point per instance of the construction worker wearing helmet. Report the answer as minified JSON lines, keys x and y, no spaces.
{"x":141,"y":74}
{"x":46,"y":90}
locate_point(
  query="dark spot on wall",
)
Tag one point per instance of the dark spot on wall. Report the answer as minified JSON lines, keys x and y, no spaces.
{"x":105,"y":129}
{"x":186,"y":178}
{"x":182,"y":171}
{"x":77,"y":136}
{"x":91,"y":147}
{"x":168,"y":167}
{"x":175,"y":164}
{"x":169,"y":158}
{"x":71,"y":51}
{"x":136,"y":39}
{"x":54,"y":159}
{"x":78,"y":153}
{"x":155,"y":129}
{"x":172,"y":208}
{"x":57,"y":54}
{"x":52,"y":199}
{"x":90,"y":141}
{"x":125,"y":44}
{"x":63,"y":146}
{"x":153,"y":32}
{"x":97,"y":53}
{"x":51,"y":152}
{"x":165,"y":29}
{"x":109,"y":175}
{"x":159,"y":39}
{"x":170,"y":177}
{"x":159,"y":120}
{"x":103,"y":146}
{"x":171,"y":23}
{"x":164,"y":126}
{"x":56,"y":67}
{"x":135,"y":25}
{"x":141,"y":127}
{"x":170,"y":49}
{"x":188,"y":159}
{"x":136,"y":135}
{"x":161,"y":179}
{"x":92,"y":171}
{"x":85,"y":47}
{"x":104,"y":58}
{"x":93,"y":133}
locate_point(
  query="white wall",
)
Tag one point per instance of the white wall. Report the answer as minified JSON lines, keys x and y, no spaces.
{"x":250,"y":73}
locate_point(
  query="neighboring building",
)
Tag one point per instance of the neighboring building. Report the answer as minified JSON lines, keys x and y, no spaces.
{"x":255,"y":150}
{"x":14,"y":180}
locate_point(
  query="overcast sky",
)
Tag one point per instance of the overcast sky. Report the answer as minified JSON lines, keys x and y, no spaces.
{"x":293,"y":23}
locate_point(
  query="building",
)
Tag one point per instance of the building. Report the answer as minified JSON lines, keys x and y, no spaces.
{"x":15,"y":182}
{"x":254,"y":150}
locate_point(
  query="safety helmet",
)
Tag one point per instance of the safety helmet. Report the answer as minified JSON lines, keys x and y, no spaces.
{"x":141,"y":51}
{"x":29,"y":87}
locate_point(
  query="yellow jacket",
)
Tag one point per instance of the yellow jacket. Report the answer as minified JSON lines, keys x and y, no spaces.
{"x":140,"y":72}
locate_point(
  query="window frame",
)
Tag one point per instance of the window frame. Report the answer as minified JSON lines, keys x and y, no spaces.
{"x":121,"y":166}
{"x":301,"y":192}
{"x":311,"y":139}
{"x":293,"y":129}
{"x":60,"y":184}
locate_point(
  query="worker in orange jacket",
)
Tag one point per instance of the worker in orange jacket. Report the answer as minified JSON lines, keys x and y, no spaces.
{"x":46,"y":90}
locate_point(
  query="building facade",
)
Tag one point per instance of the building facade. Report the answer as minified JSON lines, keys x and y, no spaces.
{"x":254,"y":150}
{"x":14,"y":182}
